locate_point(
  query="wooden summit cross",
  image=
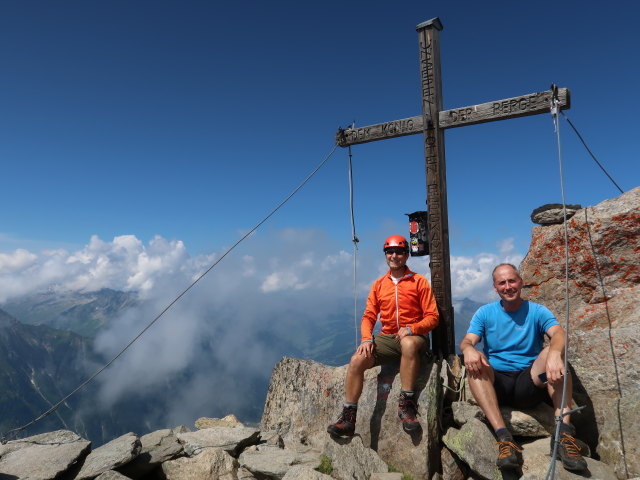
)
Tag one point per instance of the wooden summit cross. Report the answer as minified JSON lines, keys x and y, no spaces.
{"x":432,"y":123}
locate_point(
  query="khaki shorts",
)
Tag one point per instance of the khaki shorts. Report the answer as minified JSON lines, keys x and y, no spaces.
{"x":386,"y":347}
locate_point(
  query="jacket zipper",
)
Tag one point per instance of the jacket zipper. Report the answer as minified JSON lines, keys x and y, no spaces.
{"x":397,"y":311}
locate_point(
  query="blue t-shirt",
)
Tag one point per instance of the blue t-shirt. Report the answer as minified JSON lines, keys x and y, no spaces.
{"x":512,"y":340}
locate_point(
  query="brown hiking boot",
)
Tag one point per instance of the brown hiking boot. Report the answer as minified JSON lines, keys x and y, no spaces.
{"x":509,"y":454}
{"x":346,"y":424}
{"x":408,"y":413}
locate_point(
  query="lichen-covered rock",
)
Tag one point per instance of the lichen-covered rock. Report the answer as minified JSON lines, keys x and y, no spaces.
{"x":475,"y":445}
{"x":604,"y":287}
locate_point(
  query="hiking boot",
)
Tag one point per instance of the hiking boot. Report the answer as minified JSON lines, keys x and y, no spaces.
{"x":408,"y":413}
{"x":346,"y":424}
{"x":509,"y":454}
{"x":569,"y":449}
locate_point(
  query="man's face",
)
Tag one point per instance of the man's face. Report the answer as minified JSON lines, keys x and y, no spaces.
{"x":396,"y":257}
{"x":507,"y":283}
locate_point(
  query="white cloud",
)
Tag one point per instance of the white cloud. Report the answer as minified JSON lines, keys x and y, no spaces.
{"x":125,"y":264}
{"x":17,"y":261}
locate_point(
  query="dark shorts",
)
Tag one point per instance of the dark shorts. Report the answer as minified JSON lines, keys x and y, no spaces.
{"x":516,"y":389}
{"x":387,"y":348}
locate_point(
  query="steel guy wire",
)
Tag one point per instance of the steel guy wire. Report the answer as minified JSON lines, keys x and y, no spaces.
{"x":355,"y":240}
{"x":552,"y":465}
{"x":590,"y":152}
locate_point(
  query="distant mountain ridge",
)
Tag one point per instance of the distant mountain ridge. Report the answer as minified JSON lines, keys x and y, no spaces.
{"x":79,"y":312}
{"x":38,"y":366}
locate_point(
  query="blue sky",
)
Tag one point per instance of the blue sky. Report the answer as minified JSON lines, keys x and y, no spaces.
{"x":140,"y":139}
{"x":190,"y":120}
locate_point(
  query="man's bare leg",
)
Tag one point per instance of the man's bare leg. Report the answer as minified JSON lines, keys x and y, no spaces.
{"x":355,"y":376}
{"x":554,"y":390}
{"x":346,"y":424}
{"x":485,"y":394}
{"x":411,"y":347}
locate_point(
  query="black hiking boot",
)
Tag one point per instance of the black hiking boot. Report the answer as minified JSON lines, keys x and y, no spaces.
{"x":408,"y":413}
{"x":569,"y":449}
{"x":346,"y":424}
{"x":509,"y":454}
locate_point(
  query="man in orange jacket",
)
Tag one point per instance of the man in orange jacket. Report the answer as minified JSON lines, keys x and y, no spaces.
{"x":408,"y":312}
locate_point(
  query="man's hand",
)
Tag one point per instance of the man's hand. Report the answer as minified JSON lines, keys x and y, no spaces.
{"x":403,"y":332}
{"x":474,"y":361}
{"x":554,"y":367}
{"x":365,"y":348}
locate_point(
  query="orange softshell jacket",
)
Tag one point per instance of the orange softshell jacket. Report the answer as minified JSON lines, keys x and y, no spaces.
{"x":409,"y":303}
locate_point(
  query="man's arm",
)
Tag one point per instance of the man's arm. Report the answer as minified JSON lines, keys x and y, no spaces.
{"x":474,"y":361}
{"x":370,"y":316}
{"x":555,"y":357}
{"x":430,"y":316}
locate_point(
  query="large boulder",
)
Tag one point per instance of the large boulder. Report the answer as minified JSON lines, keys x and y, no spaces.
{"x":209,"y":463}
{"x":273,"y":462}
{"x":232,"y":440}
{"x":42,"y":457}
{"x":604,"y":287}
{"x":157,"y":447}
{"x":352,"y":460}
{"x":111,"y":455}
{"x":304,"y":397}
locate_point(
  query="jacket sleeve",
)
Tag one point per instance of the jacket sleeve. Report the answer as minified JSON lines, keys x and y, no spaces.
{"x":430,"y":316}
{"x":371,"y":312}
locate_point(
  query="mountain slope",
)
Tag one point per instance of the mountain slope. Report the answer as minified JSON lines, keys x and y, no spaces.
{"x":82,"y":313}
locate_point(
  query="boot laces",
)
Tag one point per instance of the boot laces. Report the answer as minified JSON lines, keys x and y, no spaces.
{"x":570,"y":445}
{"x":407,"y":407}
{"x":505,"y":446}
{"x":348,"y":415}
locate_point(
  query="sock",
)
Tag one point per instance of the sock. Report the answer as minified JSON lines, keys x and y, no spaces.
{"x":568,"y":428}
{"x":503,"y":434}
{"x":353,"y":405}
{"x":407,"y":393}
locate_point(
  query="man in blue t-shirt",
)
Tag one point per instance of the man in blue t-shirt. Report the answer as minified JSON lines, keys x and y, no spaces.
{"x":509,"y":370}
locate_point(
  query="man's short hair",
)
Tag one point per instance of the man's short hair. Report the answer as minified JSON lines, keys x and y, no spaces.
{"x":493,"y":273}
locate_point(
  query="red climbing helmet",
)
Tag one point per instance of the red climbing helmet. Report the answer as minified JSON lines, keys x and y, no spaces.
{"x":396,"y":241}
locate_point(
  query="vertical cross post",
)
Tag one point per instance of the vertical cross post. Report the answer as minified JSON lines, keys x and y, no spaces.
{"x":431,"y":82}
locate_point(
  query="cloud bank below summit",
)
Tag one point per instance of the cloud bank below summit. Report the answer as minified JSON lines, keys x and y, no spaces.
{"x":289,"y":260}
{"x":221,"y":340}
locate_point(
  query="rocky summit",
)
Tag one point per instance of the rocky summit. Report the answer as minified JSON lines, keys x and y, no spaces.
{"x":454,"y":441}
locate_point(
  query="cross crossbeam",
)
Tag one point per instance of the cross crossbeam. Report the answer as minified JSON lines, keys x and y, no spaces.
{"x":523,"y":106}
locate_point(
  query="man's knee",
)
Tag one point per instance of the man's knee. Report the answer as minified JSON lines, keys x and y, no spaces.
{"x":412,"y":345}
{"x":360,"y":363}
